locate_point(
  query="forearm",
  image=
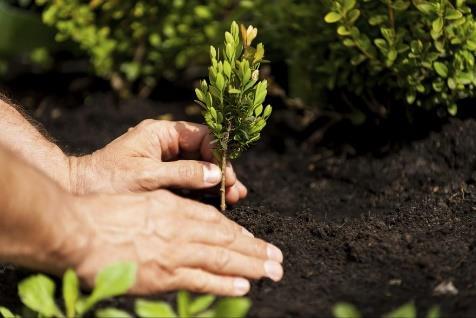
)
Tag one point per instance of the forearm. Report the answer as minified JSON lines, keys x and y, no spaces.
{"x":20,"y":137}
{"x":37,"y":228}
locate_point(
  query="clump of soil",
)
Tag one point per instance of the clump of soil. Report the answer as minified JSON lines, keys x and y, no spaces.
{"x":374,"y":230}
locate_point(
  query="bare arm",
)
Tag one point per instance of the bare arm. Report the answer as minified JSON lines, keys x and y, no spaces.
{"x":35,"y":223}
{"x":20,"y":137}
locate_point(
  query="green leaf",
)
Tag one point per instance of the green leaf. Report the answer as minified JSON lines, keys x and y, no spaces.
{"x":220,"y":82}
{"x":332,"y":17}
{"x":258,"y":110}
{"x":37,"y":293}
{"x":453,"y":14}
{"x":232,"y":307}
{"x":112,"y":313}
{"x":353,"y":15}
{"x":345,"y":310}
{"x":437,"y":25}
{"x":227,"y":69}
{"x":259,"y":54}
{"x":441,"y":69}
{"x":183,"y":302}
{"x":200,"y":95}
{"x":426,"y":7}
{"x":200,"y":304}
{"x":405,"y":311}
{"x":114,"y":280}
{"x":153,"y":309}
{"x":342,"y":30}
{"x":70,"y":292}
{"x":434,"y":312}
{"x":453,"y":109}
{"x":213,"y":52}
{"x":6,"y":313}
{"x":348,"y":5}
{"x":267,"y":111}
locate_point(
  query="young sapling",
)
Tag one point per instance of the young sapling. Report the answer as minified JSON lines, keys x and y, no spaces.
{"x":233,"y":97}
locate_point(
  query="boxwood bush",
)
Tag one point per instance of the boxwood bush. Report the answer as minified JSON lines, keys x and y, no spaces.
{"x":376,"y":53}
{"x":140,"y":41}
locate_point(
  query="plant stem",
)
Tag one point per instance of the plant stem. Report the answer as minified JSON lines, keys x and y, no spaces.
{"x":391,"y":14}
{"x":223,"y":181}
{"x":224,"y":157}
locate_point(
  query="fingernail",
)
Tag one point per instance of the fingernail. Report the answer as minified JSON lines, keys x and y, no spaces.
{"x":246,"y":232}
{"x":211,"y":174}
{"x":273,"y":270}
{"x":274,"y":253}
{"x":241,"y":286}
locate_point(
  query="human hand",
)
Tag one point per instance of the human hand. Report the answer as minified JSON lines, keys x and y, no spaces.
{"x":147,"y":158}
{"x":177,"y":244}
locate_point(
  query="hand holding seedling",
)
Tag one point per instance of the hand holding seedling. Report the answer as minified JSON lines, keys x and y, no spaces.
{"x":233,"y":97}
{"x":145,"y":158}
{"x":151,"y":156}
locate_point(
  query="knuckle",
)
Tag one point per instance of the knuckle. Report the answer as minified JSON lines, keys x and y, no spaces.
{"x":211,"y":214}
{"x":227,"y":237}
{"x":222,"y":259}
{"x":260,"y":248}
{"x":200,"y":284}
{"x":146,"y":123}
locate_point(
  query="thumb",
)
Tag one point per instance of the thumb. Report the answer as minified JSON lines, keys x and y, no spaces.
{"x":188,"y":174}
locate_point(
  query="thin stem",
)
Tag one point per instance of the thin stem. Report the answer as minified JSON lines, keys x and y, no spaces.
{"x":224,"y":157}
{"x":391,"y":14}
{"x":223,"y":181}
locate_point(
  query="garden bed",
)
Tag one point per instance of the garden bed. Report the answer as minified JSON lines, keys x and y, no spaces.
{"x":377,"y":229}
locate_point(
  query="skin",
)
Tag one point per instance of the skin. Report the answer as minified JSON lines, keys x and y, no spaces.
{"x":115,"y":203}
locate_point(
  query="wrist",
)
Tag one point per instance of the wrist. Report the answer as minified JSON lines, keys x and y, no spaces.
{"x":80,"y":174}
{"x":71,"y":236}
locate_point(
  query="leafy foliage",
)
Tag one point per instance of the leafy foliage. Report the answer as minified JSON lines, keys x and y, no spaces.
{"x":345,"y":310}
{"x":419,"y":52}
{"x":131,"y":41}
{"x":233,"y":97}
{"x":198,"y":307}
{"x":37,"y":292}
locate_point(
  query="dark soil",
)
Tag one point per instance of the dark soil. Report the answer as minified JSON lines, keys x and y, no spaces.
{"x":377,"y":229}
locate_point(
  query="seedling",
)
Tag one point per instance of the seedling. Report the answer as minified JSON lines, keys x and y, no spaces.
{"x":346,"y":310}
{"x":37,"y":293}
{"x":198,"y":307}
{"x":233,"y":97}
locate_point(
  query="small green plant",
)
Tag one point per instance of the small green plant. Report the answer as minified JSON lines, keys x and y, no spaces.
{"x":346,"y":310}
{"x":37,"y":293}
{"x":199,"y":307}
{"x":233,"y":97}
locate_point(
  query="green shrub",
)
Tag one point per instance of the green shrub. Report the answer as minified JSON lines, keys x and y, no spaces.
{"x":383,"y":53}
{"x":140,"y":41}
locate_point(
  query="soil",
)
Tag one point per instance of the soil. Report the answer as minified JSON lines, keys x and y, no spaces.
{"x":377,"y":228}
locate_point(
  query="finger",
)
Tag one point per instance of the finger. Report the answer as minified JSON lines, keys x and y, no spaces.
{"x":242,"y":190}
{"x":190,"y":209}
{"x":232,"y":195}
{"x":226,"y":235}
{"x":189,"y":174}
{"x":230,"y":175}
{"x":223,"y":261}
{"x":199,"y":281}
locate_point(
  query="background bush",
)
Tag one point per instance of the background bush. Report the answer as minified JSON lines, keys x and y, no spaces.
{"x":385,"y":53}
{"x":353,"y":57}
{"x":141,"y":41}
